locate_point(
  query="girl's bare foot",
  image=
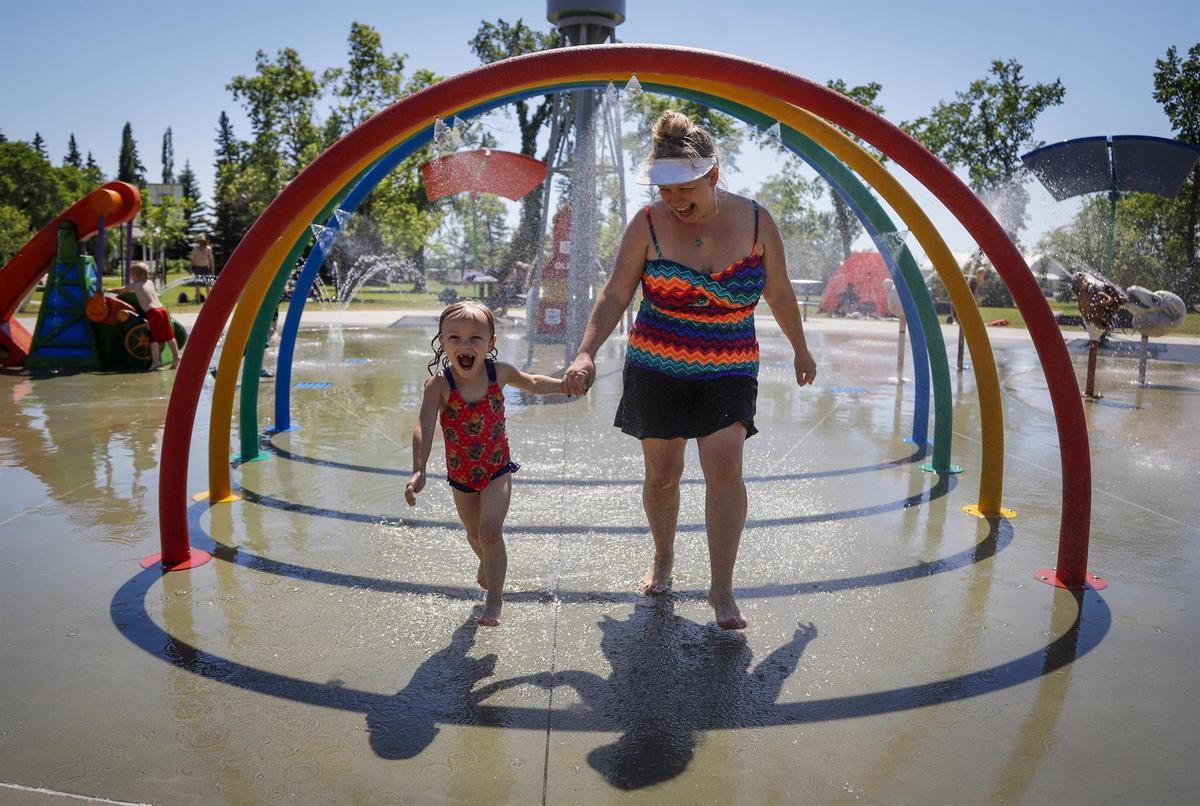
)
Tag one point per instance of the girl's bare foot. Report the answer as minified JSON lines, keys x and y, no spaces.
{"x":729,"y":617}
{"x":491,"y":615}
{"x":658,"y":576}
{"x":481,"y":577}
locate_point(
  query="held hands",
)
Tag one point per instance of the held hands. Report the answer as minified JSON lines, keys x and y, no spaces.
{"x":416,"y":483}
{"x":806,"y":368}
{"x":580,"y":376}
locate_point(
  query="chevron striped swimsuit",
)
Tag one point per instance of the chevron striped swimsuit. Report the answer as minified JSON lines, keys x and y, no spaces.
{"x":691,"y":366}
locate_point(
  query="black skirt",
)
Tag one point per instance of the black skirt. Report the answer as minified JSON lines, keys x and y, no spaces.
{"x":664,"y":407}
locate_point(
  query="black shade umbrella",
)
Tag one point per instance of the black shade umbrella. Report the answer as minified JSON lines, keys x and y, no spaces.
{"x":1125,"y":163}
{"x":1121,"y":164}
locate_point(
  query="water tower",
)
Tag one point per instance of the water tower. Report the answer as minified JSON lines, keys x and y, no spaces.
{"x":573,"y":129}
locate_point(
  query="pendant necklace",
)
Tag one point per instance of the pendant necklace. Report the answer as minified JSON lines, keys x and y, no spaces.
{"x":698,"y":242}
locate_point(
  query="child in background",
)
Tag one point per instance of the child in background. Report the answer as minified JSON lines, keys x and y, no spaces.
{"x":468,"y":397}
{"x":159,"y":321}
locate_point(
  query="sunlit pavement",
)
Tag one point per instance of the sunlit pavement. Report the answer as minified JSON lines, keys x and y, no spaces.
{"x":899,"y":650}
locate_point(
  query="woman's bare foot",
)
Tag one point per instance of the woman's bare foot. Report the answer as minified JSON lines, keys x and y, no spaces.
{"x":481,"y":577}
{"x":491,"y":615}
{"x":658,"y":575}
{"x":729,"y":617}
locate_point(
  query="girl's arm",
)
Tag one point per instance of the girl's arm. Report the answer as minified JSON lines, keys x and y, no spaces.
{"x":781,"y":298}
{"x":508,"y":375}
{"x":434,"y":400}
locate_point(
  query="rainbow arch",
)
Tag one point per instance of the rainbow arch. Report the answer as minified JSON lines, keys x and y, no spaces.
{"x":280,"y":233}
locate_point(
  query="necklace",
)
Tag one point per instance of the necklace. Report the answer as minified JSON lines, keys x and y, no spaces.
{"x":698,"y":241}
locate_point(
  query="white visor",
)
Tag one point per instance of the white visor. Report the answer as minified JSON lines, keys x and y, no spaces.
{"x":675,"y":170}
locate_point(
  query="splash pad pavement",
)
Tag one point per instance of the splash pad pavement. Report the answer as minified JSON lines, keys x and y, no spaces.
{"x":899,"y":650}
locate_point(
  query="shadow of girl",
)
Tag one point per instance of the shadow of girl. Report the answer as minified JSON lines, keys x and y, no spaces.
{"x":441,"y":691}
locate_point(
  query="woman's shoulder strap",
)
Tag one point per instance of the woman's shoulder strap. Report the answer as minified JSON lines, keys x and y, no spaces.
{"x":653,"y":236}
{"x":449,"y":374}
{"x":755,"y":242}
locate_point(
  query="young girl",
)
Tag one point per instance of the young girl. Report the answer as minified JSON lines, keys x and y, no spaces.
{"x":468,"y":395}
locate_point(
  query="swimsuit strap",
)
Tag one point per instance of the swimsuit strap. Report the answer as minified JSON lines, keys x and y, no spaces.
{"x":653,"y":237}
{"x":449,"y":378}
{"x":490,"y":366}
{"x":755,"y":243}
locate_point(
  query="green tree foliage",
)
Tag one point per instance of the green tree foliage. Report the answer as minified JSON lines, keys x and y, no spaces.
{"x":810,"y":235}
{"x":1177,"y":88}
{"x":233,"y":208}
{"x":280,"y":99}
{"x":92,"y":172}
{"x":73,"y":157}
{"x":1148,"y":241}
{"x":985,"y":129}
{"x":372,"y":80}
{"x":492,"y":42}
{"x":129,"y":167}
{"x":849,"y":227}
{"x":195,"y":209}
{"x":14,"y":231}
{"x":33,"y":192}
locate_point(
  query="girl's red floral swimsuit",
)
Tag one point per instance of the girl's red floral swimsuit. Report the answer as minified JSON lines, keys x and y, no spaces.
{"x":476,"y":441}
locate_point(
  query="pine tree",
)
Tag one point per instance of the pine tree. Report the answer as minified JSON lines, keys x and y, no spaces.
{"x":39,"y":145}
{"x":92,"y":171}
{"x":73,"y":158}
{"x":197,"y":212}
{"x":129,"y":167}
{"x":232,"y":212}
{"x":168,"y":158}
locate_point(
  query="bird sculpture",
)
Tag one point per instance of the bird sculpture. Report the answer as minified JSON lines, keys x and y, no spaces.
{"x":1154,"y":313}
{"x":1099,"y":302}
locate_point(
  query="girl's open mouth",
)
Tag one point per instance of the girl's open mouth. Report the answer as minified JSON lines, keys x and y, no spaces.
{"x":465,"y":361}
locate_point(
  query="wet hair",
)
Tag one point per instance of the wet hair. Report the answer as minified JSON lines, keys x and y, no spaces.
{"x":464,"y":309}
{"x":139,"y":268}
{"x":675,"y":135}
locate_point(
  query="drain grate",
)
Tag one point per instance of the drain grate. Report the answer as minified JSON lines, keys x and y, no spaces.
{"x":312,"y":385}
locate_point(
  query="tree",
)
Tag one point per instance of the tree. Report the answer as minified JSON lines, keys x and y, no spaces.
{"x":492,"y":42}
{"x":811,"y":239}
{"x":34,"y":187}
{"x":848,"y":224}
{"x":92,"y":172}
{"x":280,"y":100}
{"x":232,"y":211}
{"x":985,"y":130}
{"x":129,"y":167}
{"x":39,"y":145}
{"x":373,"y":80}
{"x":15,"y":231}
{"x":168,"y":158}
{"x":73,"y":156}
{"x":195,"y":209}
{"x":1177,"y":88}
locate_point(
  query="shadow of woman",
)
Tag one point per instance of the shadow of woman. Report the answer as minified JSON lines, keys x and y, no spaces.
{"x":673,"y":679}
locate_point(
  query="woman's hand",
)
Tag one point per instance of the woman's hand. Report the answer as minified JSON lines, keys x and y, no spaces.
{"x":580,"y":376}
{"x":416,"y":483}
{"x":806,"y":367}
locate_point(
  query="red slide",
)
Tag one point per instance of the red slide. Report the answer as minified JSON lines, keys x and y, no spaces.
{"x":118,"y":202}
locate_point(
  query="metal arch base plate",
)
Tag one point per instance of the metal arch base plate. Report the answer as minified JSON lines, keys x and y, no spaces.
{"x":949,"y":470}
{"x":973,"y":509}
{"x":1090,"y":581}
{"x":195,"y":558}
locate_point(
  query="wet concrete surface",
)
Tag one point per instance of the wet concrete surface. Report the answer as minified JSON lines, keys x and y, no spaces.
{"x":899,"y":650}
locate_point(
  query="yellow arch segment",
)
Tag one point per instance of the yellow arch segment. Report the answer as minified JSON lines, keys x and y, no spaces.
{"x":254,"y":293}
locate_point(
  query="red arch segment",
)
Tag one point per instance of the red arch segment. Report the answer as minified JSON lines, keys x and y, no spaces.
{"x":578,"y":62}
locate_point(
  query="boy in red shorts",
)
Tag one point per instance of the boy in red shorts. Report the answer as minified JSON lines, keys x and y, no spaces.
{"x":161,"y":331}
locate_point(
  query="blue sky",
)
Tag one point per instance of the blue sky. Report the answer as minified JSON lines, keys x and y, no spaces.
{"x":87,"y":68}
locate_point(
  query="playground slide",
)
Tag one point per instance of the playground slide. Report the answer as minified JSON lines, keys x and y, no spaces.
{"x":117,"y":202}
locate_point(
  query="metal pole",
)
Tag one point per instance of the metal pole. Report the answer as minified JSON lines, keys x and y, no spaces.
{"x":1142,"y":360}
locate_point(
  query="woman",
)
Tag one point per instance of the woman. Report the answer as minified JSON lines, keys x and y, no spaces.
{"x":703,"y":257}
